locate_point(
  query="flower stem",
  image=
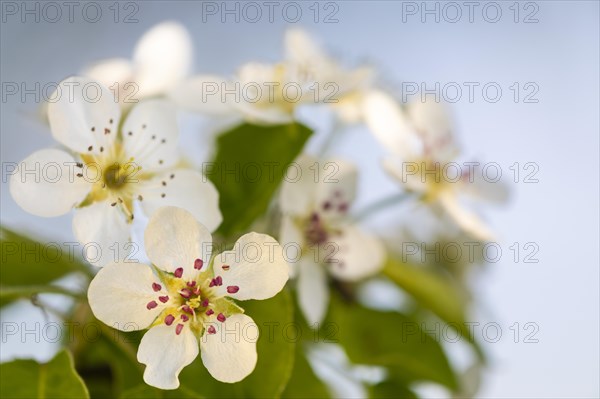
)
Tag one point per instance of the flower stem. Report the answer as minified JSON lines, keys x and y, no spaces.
{"x":29,"y":290}
{"x":382,"y":204}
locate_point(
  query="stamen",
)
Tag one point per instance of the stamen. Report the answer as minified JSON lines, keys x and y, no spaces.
{"x":232,"y":289}
{"x":196,"y":291}
{"x":163,"y":299}
{"x":221,"y":317}
{"x":205,"y":303}
{"x":163,"y":195}
{"x":130,"y":133}
{"x":217,"y":281}
{"x":172,"y":175}
{"x":210,"y":312}
{"x":225,"y":267}
{"x":184,"y":317}
{"x":110,"y":121}
{"x":93,"y":129}
{"x":178,"y":329}
{"x":326,"y":205}
{"x":343,"y":207}
{"x":140,"y":198}
{"x":211,"y":330}
{"x":187,"y":309}
{"x":164,"y":183}
{"x":90,"y":148}
{"x":198,"y":263}
{"x":185,"y":293}
{"x":106,"y":131}
{"x":143,"y":126}
{"x":101,"y":149}
{"x":153,"y":137}
{"x":191,"y":283}
{"x":156,"y":287}
{"x":79,"y":174}
{"x":151,"y":305}
{"x":113,"y":204}
{"x":169,"y":319}
{"x":178,"y":272}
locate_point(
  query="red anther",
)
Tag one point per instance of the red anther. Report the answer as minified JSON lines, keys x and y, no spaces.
{"x":225,"y":267}
{"x":163,"y":299}
{"x":210,"y":312}
{"x":169,"y":319}
{"x":178,"y":329}
{"x":178,"y":272}
{"x":211,"y":330}
{"x":187,"y":309}
{"x":151,"y":305}
{"x":156,"y":287}
{"x":204,"y":303}
{"x":221,"y":317}
{"x":185,"y":293}
{"x":184,"y":317}
{"x":191,"y":283}
{"x":232,"y":289}
{"x":198,"y":263}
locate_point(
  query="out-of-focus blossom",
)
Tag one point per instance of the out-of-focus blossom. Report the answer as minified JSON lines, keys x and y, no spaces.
{"x":109,"y":167}
{"x":423,"y":157}
{"x":185,"y":300}
{"x":315,"y":218}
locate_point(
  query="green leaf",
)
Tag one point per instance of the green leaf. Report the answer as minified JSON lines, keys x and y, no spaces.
{"x":434,"y":292}
{"x":303,"y":382}
{"x":393,"y":389}
{"x":28,"y":265}
{"x":392,"y":340}
{"x":30,"y":379}
{"x":275,"y":355}
{"x":249,"y":165}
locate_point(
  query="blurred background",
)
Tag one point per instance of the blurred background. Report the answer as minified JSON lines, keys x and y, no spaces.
{"x":551,"y":45}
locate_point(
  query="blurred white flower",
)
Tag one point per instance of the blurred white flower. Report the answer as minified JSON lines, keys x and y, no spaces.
{"x":161,"y":59}
{"x":315,"y":218}
{"x":422,"y":146}
{"x":114,"y":166}
{"x":186,"y":302}
{"x":271,"y":93}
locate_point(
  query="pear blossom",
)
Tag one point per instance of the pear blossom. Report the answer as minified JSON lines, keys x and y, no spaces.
{"x":186,"y":300}
{"x":161,"y":59}
{"x":315,"y":217}
{"x":109,"y":168}
{"x":421,"y":141}
{"x":271,"y":93}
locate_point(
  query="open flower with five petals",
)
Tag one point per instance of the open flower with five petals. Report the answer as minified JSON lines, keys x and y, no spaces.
{"x":315,"y":219}
{"x":110,"y":167}
{"x":185,"y":299}
{"x":423,"y":158}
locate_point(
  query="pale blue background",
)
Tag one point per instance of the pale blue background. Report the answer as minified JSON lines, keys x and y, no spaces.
{"x":560,"y":134}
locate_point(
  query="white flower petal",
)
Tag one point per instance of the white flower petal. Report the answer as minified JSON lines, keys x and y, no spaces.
{"x":187,"y":189}
{"x":120,"y":292}
{"x":45,"y":183}
{"x":386,"y":120}
{"x":79,"y":105}
{"x":301,"y":48}
{"x":104,"y":232}
{"x":111,"y":71}
{"x":297,"y":194}
{"x":358,"y":255}
{"x":464,"y":218}
{"x":256,"y":266}
{"x":292,"y":240}
{"x":174,"y":239}
{"x":162,"y":58}
{"x":400,"y":171}
{"x":434,"y":123}
{"x":165,"y":354}
{"x":230,"y":354}
{"x":337,"y":184}
{"x":313,"y":291}
{"x":150,"y":135}
{"x":204,"y":94}
{"x":479,"y":188}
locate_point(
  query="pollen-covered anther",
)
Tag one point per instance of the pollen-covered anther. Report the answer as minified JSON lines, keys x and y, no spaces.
{"x":178,"y":272}
{"x":178,"y":329}
{"x":221,"y":317}
{"x":169,"y":319}
{"x":163,"y":299}
{"x":156,"y":287}
{"x":232,"y":289}
{"x":211,"y":330}
{"x":198,"y":263}
{"x":151,"y":305}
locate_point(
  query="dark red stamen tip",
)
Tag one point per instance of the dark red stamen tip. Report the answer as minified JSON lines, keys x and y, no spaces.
{"x":221,"y":317}
{"x":163,"y":299}
{"x":232,"y":289}
{"x":178,"y":272}
{"x":210,"y":312}
{"x":191,"y":283}
{"x":151,"y":305}
{"x":198,"y":263}
{"x":205,"y":303}
{"x":196,"y":291}
{"x":169,"y":319}
{"x":156,"y":287}
{"x":178,"y":329}
{"x":185,"y":293}
{"x":326,"y":205}
{"x":184,"y":317}
{"x":225,"y":267}
{"x":187,"y":309}
{"x":212,"y":330}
